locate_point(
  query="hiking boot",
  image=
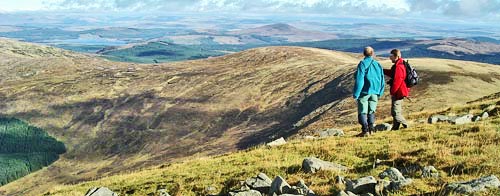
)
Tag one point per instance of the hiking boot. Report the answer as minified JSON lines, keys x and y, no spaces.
{"x":363,"y":134}
{"x":395,"y":126}
{"x":371,"y":129}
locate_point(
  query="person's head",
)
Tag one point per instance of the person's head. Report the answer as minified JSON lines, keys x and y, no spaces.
{"x":368,"y":51}
{"x":395,"y":55}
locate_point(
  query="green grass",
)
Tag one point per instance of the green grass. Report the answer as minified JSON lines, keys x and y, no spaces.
{"x":459,"y":152}
{"x":24,"y":149}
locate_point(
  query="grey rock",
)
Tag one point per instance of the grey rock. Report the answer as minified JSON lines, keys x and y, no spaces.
{"x":331,"y":132}
{"x":163,"y":192}
{"x":279,"y":186}
{"x":383,"y":127}
{"x":430,"y":172}
{"x":260,"y":183}
{"x":397,"y":180}
{"x":246,"y":193}
{"x":460,"y":120}
{"x":278,"y":142}
{"x":438,"y":118}
{"x":476,"y":185}
{"x":393,"y":174}
{"x":312,"y":165}
{"x":362,"y":185}
{"x":397,"y":185}
{"x":100,"y":191}
{"x":476,"y":118}
{"x":485,"y":115}
{"x":301,"y":189}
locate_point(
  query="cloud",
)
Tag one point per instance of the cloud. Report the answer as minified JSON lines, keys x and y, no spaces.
{"x":450,"y":8}
{"x":259,"y":6}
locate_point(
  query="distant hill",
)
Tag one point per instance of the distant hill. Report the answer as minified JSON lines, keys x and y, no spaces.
{"x":116,"y":117}
{"x":285,"y":31}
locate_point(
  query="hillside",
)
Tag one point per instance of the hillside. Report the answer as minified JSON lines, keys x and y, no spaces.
{"x":117,"y":117}
{"x":458,"y":152}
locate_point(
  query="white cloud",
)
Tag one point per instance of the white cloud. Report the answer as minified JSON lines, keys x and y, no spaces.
{"x":488,"y":9}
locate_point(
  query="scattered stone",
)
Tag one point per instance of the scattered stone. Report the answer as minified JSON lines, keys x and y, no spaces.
{"x":301,"y":189}
{"x":278,"y":142}
{"x":438,"y":118}
{"x":330,"y":132}
{"x":485,"y":115}
{"x":392,"y":174}
{"x":476,"y":185}
{"x":362,"y":185}
{"x":312,"y":165}
{"x":430,"y":172}
{"x":397,"y":180}
{"x":261,"y":183}
{"x":163,"y":192}
{"x":246,"y":193}
{"x":100,"y":191}
{"x":279,"y":186}
{"x":460,"y":120}
{"x":383,"y":127}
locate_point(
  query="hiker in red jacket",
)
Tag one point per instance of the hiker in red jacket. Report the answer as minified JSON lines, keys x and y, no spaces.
{"x":399,"y":90}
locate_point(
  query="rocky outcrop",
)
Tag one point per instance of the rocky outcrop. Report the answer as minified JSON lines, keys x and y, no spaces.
{"x":100,"y":191}
{"x":476,"y":185}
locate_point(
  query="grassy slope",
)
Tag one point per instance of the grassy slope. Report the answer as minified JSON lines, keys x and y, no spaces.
{"x":130,"y":116}
{"x":459,"y":152}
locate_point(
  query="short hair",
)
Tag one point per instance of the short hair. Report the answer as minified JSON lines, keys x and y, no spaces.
{"x":396,"y":53}
{"x":368,"y":51}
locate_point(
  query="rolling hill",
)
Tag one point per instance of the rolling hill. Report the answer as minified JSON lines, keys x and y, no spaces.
{"x":119,"y":117}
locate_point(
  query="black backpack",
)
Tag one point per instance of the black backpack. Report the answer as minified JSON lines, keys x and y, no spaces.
{"x":412,"y":78}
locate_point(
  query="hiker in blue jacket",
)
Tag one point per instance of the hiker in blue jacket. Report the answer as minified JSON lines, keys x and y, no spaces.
{"x":368,"y":88}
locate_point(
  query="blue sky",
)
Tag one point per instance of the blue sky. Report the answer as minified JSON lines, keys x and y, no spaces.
{"x":443,"y":9}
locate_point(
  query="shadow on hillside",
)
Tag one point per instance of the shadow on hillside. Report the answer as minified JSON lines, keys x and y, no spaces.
{"x":300,"y":106}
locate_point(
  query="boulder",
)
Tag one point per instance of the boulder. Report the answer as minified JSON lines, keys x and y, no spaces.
{"x":362,"y":185}
{"x":331,"y":132}
{"x":476,"y":118}
{"x":383,"y":127}
{"x":485,"y":115}
{"x":397,"y":180}
{"x":246,"y":193}
{"x":430,"y":172}
{"x":438,"y":118}
{"x":301,"y":189}
{"x":460,"y":120}
{"x":100,"y":191}
{"x":392,"y":174}
{"x":278,"y":142}
{"x":312,"y":165}
{"x":279,"y":186}
{"x":261,"y":183}
{"x":476,"y":185}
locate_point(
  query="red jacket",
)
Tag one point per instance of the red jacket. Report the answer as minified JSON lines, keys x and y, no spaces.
{"x":398,"y":75}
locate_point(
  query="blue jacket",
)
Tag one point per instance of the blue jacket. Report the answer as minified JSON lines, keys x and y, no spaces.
{"x":369,"y":78}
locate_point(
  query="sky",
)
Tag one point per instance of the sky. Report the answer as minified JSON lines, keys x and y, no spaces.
{"x":441,"y":9}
